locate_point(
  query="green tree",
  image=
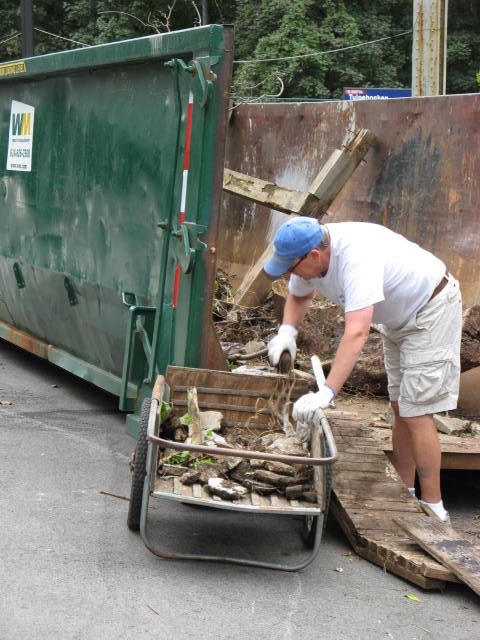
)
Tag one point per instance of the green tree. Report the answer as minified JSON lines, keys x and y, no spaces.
{"x":10,"y":31}
{"x":73,"y":23}
{"x":463,"y":46}
{"x":324,"y":46}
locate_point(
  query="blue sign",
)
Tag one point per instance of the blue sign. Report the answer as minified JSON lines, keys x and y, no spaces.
{"x":374,"y":93}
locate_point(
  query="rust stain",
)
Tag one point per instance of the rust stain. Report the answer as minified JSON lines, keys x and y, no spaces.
{"x":26,"y":341}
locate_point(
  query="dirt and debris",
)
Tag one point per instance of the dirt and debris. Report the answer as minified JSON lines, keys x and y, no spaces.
{"x":244,"y":334}
{"x":232,"y":477}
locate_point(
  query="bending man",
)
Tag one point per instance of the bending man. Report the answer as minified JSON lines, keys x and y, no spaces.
{"x":379,"y":277}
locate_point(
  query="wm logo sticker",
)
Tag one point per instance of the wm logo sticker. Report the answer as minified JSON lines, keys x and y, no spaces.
{"x":21,"y":124}
{"x":20,"y":140}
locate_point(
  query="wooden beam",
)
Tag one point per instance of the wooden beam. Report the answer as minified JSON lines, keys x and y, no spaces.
{"x":255,"y":284}
{"x":457,"y":453}
{"x":321,"y":193}
{"x":268,"y":194}
{"x":339,"y":167}
{"x":315,"y":202}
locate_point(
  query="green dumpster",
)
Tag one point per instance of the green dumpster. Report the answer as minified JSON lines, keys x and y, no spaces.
{"x":111,"y":168}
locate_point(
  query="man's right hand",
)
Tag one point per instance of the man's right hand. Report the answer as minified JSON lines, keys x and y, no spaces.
{"x":285,"y":340}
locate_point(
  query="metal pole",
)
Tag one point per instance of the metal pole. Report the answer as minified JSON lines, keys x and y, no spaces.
{"x":27,"y":29}
{"x":205,"y":12}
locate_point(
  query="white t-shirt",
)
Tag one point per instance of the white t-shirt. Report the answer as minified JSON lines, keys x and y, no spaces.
{"x":372,"y":265}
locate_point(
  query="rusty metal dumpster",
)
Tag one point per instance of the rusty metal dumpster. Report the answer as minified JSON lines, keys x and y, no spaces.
{"x":111,"y":165}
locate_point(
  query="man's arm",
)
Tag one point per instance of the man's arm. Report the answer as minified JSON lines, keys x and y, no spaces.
{"x":357,"y":328}
{"x":295,"y":309}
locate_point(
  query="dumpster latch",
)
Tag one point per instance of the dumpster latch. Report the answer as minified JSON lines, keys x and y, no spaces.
{"x":188,"y":243}
{"x":17,"y":271}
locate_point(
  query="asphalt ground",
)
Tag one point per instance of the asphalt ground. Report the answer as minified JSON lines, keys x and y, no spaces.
{"x":71,"y":569}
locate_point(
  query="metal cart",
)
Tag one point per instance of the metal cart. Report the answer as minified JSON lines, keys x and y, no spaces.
{"x":237,"y":397}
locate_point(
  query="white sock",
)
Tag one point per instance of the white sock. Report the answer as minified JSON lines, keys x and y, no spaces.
{"x":437,"y":507}
{"x":411,"y":491}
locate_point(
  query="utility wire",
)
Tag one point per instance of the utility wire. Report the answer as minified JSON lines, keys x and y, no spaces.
{"x":322,"y":53}
{"x":61,"y":37}
{"x":53,"y":35}
{"x":15,"y":35}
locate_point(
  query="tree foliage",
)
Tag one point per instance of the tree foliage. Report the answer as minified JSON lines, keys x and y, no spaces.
{"x":303,"y":48}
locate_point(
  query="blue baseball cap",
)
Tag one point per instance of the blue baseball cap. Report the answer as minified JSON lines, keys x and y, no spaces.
{"x":293,"y":239}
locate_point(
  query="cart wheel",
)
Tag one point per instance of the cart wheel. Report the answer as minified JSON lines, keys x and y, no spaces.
{"x":310,"y":523}
{"x":139,"y":470}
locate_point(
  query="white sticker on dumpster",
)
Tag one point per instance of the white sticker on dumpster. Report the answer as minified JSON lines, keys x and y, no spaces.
{"x":20,"y":140}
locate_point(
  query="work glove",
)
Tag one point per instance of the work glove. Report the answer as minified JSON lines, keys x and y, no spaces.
{"x":306,"y":405}
{"x":285,"y":340}
{"x":304,"y":432}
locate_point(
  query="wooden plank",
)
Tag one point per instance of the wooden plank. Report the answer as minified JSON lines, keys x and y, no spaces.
{"x":344,"y":466}
{"x":255,"y":284}
{"x":381,"y":503}
{"x":323,"y":190}
{"x":181,"y":489}
{"x":413,"y":572}
{"x":368,"y":497}
{"x":197,"y":490}
{"x":269,"y":194}
{"x":339,"y":168}
{"x":447,"y":546}
{"x":321,"y":193}
{"x":458,"y":452}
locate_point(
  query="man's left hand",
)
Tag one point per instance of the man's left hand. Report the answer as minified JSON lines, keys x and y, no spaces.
{"x":306,"y":405}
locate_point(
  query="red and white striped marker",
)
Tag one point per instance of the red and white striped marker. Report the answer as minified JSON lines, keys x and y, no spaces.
{"x":186,"y":164}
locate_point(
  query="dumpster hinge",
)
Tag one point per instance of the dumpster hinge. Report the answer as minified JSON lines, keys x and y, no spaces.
{"x":202,"y":79}
{"x":188,"y":243}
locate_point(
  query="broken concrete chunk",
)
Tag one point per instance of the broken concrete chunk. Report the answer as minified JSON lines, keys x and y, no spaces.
{"x":294,"y":492}
{"x":287,"y":445}
{"x":475,"y":428}
{"x":253,"y":346}
{"x":232,"y":463}
{"x":211,"y":420}
{"x":274,"y":478}
{"x":281,"y":468}
{"x":190,"y":477}
{"x":450,"y":426}
{"x":214,"y":439}
{"x":226,"y":489}
{"x":171,"y":469}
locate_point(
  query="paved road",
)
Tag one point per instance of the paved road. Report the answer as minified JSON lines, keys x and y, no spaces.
{"x":72,"y":570}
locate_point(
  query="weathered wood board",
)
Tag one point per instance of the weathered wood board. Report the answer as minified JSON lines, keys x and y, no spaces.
{"x":368,"y":498}
{"x":450,"y":548}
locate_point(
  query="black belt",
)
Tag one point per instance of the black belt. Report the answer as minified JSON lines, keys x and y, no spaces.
{"x":440,"y":286}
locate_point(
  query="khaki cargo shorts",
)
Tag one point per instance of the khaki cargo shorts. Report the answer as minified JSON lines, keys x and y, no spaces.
{"x":422,"y":359}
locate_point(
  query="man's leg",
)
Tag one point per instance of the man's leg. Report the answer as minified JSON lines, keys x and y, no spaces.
{"x":426,"y":454}
{"x":403,"y":459}
{"x":416,"y":448}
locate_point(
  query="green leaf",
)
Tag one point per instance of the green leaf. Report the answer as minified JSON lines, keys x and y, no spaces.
{"x":410,"y":596}
{"x":179,"y":458}
{"x":165,"y":409}
{"x":199,"y":461}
